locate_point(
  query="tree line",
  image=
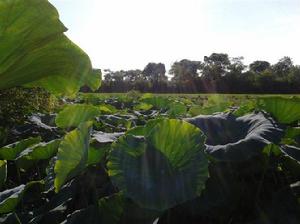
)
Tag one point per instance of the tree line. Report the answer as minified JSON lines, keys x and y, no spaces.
{"x":216,"y":73}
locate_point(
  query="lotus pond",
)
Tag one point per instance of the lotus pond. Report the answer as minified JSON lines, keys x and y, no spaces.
{"x":136,"y":158}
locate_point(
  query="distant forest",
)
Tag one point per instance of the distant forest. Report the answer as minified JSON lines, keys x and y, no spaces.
{"x":216,"y":73}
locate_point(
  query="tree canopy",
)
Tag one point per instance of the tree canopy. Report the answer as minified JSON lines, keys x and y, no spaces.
{"x":217,"y":72}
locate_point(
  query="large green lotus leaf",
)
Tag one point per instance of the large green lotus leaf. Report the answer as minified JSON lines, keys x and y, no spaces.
{"x":221,"y":190}
{"x":10,"y":198}
{"x":142,"y":106}
{"x":285,"y":110}
{"x":73,"y":115}
{"x":54,"y":211}
{"x":215,"y":103}
{"x":107,"y":109}
{"x":231,"y":138}
{"x":72,"y":154}
{"x":111,"y":208}
{"x":292,"y":136}
{"x":34,"y":50}
{"x":144,"y":130}
{"x":139,"y":130}
{"x":94,"y":80}
{"x":292,"y":132}
{"x":272,"y":149}
{"x":3,"y":172}
{"x":206,"y":110}
{"x":157,"y":102}
{"x":11,"y":152}
{"x":169,"y":156}
{"x":96,"y":155}
{"x":176,"y":109}
{"x":43,"y":150}
{"x":246,"y":108}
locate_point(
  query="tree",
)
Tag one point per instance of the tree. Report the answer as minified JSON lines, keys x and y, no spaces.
{"x":259,"y":66}
{"x":217,"y":59}
{"x":133,"y":75}
{"x":217,"y":73}
{"x":155,"y":72}
{"x":283,"y":66}
{"x":215,"y":66}
{"x":185,"y":70}
{"x":236,"y":65}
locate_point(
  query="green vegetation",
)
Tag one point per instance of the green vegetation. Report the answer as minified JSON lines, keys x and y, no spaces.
{"x":217,"y":73}
{"x":128,"y":163}
{"x":131,"y":158}
{"x":34,"y":50}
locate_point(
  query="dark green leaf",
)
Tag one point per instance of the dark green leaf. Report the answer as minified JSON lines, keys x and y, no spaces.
{"x":73,"y":115}
{"x":169,"y":156}
{"x":176,"y":109}
{"x":96,"y":155}
{"x":72,"y":154}
{"x":40,"y":151}
{"x":10,"y":198}
{"x":3,"y":172}
{"x":34,"y":50}
{"x":285,"y":110}
{"x":11,"y":152}
{"x":111,"y":208}
{"x":236,"y":139}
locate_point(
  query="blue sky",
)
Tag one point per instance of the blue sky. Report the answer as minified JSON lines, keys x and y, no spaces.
{"x":127,"y":34}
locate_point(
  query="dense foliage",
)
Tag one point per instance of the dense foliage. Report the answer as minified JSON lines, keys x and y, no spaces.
{"x":17,"y":103}
{"x":218,"y":73}
{"x":125,"y":161}
{"x":132,"y":158}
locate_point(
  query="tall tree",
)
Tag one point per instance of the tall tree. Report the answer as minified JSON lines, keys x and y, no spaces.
{"x":215,"y":66}
{"x":236,"y":65}
{"x":185,"y":70}
{"x":259,"y":66}
{"x":155,"y":72}
{"x":283,"y":66}
{"x":133,"y":75}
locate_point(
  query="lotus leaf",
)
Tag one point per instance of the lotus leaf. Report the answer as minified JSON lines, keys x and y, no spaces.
{"x":169,"y":156}
{"x":34,"y":50}
{"x":10,"y":198}
{"x":11,"y":152}
{"x":235,"y":139}
{"x":73,"y":115}
{"x":285,"y":110}
{"x":72,"y":154}
{"x":40,"y":151}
